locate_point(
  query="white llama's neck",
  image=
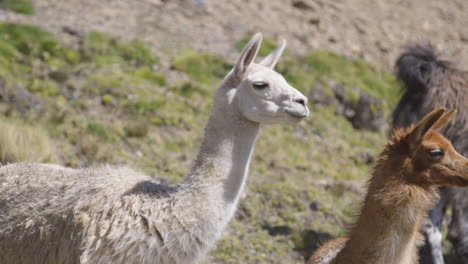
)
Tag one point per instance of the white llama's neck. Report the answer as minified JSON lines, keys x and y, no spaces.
{"x":221,"y":167}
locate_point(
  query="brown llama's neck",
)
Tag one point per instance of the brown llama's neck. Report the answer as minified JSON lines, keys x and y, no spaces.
{"x":387,"y":230}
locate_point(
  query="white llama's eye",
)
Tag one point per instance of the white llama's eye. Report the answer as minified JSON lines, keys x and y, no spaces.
{"x":259,"y":85}
{"x":436,"y":153}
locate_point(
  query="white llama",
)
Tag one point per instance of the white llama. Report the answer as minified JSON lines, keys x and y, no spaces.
{"x":52,"y":214}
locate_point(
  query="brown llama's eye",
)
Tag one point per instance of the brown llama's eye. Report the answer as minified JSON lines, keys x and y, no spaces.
{"x":259,"y":85}
{"x":435,"y":153}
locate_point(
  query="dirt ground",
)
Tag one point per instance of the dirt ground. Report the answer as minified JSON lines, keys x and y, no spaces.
{"x":376,"y":30}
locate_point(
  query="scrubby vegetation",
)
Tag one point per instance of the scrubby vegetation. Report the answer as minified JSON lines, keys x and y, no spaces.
{"x":109,"y":102}
{"x":201,"y":67}
{"x":19,"y":6}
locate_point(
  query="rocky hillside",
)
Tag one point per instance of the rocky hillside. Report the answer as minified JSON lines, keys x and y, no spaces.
{"x":91,"y":82}
{"x":373,"y":30}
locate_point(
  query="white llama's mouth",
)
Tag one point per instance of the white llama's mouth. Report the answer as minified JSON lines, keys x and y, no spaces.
{"x":297,"y":114}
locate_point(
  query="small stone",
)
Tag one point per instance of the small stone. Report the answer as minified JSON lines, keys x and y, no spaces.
{"x":349,"y":113}
{"x":156,"y":2}
{"x":383,"y":47}
{"x":426,"y":26}
{"x":282,"y":230}
{"x":464,"y":37}
{"x":360,"y":26}
{"x":356,"y":49}
{"x":369,"y":158}
{"x":365,"y":113}
{"x":314,"y":205}
{"x":455,"y":36}
{"x":71,"y":31}
{"x":303,"y":4}
{"x":314,"y":21}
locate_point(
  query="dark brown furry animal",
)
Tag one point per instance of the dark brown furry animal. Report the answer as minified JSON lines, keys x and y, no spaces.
{"x":430,"y":82}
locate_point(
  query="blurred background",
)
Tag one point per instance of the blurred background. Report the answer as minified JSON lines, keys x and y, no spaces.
{"x":87,"y":82}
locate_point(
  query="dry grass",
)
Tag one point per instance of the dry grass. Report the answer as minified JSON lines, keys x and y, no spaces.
{"x":20,"y":142}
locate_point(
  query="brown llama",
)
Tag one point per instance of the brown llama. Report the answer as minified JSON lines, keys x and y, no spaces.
{"x":428,"y":83}
{"x":402,"y":189}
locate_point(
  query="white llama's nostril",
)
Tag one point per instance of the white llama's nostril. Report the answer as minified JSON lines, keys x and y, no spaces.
{"x":297,"y":107}
{"x":300,"y":101}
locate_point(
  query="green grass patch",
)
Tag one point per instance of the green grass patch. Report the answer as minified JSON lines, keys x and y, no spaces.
{"x":112,"y":50}
{"x":97,"y":129}
{"x":45,"y":88}
{"x":354,"y":73}
{"x":28,"y":52}
{"x":148,"y":74}
{"x":189,"y":90}
{"x":202,"y":67}
{"x":29,"y":40}
{"x":320,"y":68}
{"x":19,"y":6}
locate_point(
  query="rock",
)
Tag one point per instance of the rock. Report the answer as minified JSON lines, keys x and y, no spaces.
{"x":24,"y":101}
{"x":282,"y":230}
{"x":304,"y":4}
{"x":59,"y":75}
{"x":383,"y":47}
{"x":364,"y":113}
{"x":314,"y":205}
{"x":339,"y":91}
{"x":368,"y":113}
{"x":360,"y":26}
{"x":455,"y":36}
{"x":308,"y":240}
{"x":74,"y":32}
{"x":315,"y":20}
{"x":317,"y":96}
{"x":356,"y":49}
{"x":3,"y":91}
{"x":156,"y":2}
{"x":369,"y":158}
{"x":426,"y":26}
{"x":349,"y":113}
{"x":464,"y":37}
{"x":242,"y":214}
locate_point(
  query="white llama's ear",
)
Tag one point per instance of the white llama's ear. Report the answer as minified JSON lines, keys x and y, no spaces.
{"x":420,"y":129}
{"x":248,"y":55}
{"x":271,"y":60}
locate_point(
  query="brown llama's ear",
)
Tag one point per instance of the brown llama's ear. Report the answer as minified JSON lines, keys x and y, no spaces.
{"x":420,"y":129}
{"x":444,"y":119}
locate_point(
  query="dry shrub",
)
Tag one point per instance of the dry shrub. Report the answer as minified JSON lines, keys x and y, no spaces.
{"x":20,"y":142}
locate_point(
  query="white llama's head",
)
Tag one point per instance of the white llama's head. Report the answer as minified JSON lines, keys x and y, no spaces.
{"x":261,"y":94}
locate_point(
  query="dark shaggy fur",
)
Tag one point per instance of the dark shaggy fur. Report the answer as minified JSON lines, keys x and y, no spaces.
{"x":429,"y":82}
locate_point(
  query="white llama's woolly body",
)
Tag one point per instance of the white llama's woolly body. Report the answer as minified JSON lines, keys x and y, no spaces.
{"x":110,"y":223}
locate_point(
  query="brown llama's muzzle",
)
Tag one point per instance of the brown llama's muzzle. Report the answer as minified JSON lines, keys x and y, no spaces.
{"x":461,"y":167}
{"x":464,"y":169}
{"x":452,"y":172}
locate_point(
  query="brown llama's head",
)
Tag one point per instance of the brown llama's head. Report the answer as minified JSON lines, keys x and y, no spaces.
{"x":432,"y":158}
